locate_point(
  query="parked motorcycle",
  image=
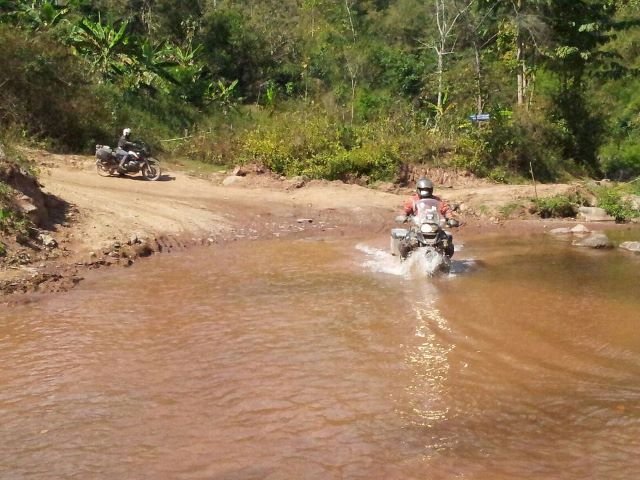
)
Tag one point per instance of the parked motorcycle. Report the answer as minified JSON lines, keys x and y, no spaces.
{"x":139,"y":161}
{"x":425,"y":235}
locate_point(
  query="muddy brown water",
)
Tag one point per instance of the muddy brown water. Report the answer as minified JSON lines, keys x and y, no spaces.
{"x":324,"y":359}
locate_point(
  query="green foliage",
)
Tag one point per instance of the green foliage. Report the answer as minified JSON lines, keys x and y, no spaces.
{"x":398,"y":70}
{"x":44,"y":90}
{"x":633,"y":187}
{"x":316,"y":147}
{"x":104,"y":46}
{"x":557,"y":206}
{"x":510,"y":145}
{"x":612,"y":201}
{"x":11,"y":221}
{"x":215,"y":142}
{"x":333,"y":89}
{"x":152,"y":118}
{"x":510,"y":209}
{"x":35,"y":14}
{"x":620,"y":156}
{"x":223,"y":96}
{"x":622,"y":160}
{"x":232,"y":50}
{"x":5,"y":193}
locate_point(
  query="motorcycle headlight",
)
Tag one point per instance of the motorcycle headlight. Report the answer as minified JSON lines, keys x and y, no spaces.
{"x":426,"y":228}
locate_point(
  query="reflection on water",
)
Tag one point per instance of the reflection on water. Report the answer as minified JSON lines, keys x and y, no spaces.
{"x":317,"y":359}
{"x":430,"y":364}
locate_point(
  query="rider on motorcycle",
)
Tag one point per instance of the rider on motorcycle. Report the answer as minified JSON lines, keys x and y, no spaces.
{"x":124,"y":146}
{"x":424,"y":189}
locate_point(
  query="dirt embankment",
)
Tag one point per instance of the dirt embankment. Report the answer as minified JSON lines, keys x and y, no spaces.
{"x":96,"y":221}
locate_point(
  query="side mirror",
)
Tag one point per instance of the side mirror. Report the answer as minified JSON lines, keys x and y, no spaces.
{"x":401,"y":219}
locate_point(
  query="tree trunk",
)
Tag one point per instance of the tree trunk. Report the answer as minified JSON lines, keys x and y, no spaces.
{"x":520,"y":71}
{"x":353,"y":71}
{"x":443,"y":46}
{"x":478,"y":67}
{"x":521,"y":60}
{"x":440,"y":72}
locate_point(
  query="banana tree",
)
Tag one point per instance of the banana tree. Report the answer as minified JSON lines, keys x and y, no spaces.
{"x":223,"y":95}
{"x":104,"y":46}
{"x":37,"y":14}
{"x":153,"y":64}
{"x":190,"y":74}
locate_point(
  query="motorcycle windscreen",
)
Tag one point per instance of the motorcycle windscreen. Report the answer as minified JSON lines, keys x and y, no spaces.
{"x":427,"y":211}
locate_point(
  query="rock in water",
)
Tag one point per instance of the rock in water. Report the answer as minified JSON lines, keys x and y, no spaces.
{"x":595,"y":240}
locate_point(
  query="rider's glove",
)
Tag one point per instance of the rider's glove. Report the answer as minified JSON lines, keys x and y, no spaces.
{"x":452,"y":222}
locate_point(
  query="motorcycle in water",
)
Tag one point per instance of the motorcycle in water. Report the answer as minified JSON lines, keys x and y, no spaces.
{"x":425,"y":235}
{"x":138,"y":161}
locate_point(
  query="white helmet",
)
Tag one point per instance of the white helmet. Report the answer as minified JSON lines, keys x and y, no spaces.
{"x":126,"y":132}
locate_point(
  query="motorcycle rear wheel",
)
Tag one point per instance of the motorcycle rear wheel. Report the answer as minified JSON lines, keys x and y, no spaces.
{"x":151,"y":171}
{"x":103,"y":170}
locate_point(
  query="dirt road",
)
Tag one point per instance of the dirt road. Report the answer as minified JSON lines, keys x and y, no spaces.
{"x":178,"y":204}
{"x":181,"y":204}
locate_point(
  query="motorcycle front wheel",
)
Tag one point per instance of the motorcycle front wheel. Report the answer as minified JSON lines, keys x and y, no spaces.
{"x":151,"y":170}
{"x":102,"y":169}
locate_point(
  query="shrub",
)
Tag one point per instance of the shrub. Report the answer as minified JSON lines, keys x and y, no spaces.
{"x":621,"y":161}
{"x":45,"y":90}
{"x":11,"y":221}
{"x":511,"y":143}
{"x":315,"y":146}
{"x":633,"y":187}
{"x":610,"y":199}
{"x":561,"y":206}
{"x":511,"y":209}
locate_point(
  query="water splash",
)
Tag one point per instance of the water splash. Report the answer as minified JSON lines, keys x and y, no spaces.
{"x":417,"y":265}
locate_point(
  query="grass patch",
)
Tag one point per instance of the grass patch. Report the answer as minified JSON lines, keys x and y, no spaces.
{"x":195,"y":168}
{"x":11,"y":221}
{"x":557,"y":206}
{"x":510,"y":209}
{"x":484,"y":210}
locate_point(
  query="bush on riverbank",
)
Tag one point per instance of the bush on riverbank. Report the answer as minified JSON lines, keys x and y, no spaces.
{"x":557,"y":206}
{"x":612,"y":200}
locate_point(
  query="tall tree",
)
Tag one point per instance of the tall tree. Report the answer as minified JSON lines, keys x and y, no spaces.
{"x":522,"y":35}
{"x":448,"y":14}
{"x":580,"y":29}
